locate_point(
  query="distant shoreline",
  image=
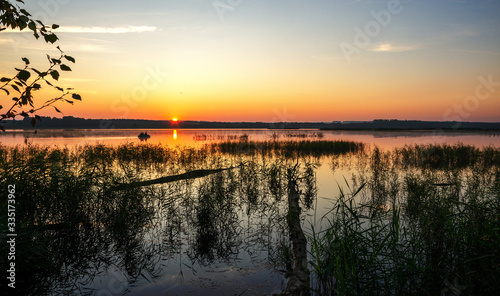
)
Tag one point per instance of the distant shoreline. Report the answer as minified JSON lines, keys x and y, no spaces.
{"x":76,"y":123}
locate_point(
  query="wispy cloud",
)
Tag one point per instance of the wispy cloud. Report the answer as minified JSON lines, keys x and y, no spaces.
{"x":95,"y":30}
{"x":106,"y":30}
{"x":6,"y":40}
{"x":479,"y":52}
{"x":388,"y":47}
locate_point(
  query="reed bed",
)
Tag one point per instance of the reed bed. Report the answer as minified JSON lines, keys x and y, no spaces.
{"x":288,"y":149}
{"x":419,"y":220}
{"x":424,"y":221}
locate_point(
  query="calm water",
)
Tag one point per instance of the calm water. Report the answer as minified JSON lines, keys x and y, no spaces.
{"x":190,"y":137}
{"x":222,"y":234}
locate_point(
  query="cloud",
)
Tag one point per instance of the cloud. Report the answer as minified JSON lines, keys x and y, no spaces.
{"x":6,"y":40}
{"x":480,"y":52}
{"x":106,"y":30}
{"x":96,"y":30}
{"x":387,"y":47}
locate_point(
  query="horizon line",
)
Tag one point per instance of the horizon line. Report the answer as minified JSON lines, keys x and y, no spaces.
{"x":270,"y":122}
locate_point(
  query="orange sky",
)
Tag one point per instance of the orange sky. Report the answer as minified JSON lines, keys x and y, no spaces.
{"x":274,"y":62}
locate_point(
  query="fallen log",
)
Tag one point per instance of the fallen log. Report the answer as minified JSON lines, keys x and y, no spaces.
{"x":167,"y":179}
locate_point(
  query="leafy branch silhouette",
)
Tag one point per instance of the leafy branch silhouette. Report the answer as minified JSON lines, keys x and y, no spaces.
{"x":28,"y":80}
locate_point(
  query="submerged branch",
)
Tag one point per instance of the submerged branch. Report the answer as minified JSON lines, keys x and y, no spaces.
{"x":298,"y":284}
{"x":167,"y":179}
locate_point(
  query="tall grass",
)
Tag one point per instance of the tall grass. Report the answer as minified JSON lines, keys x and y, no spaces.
{"x":424,"y":222}
{"x":67,"y":220}
{"x":288,"y":149}
{"x":438,"y":232}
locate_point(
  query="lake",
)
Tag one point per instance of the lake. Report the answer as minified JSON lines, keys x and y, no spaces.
{"x":190,"y":137}
{"x":89,"y":224}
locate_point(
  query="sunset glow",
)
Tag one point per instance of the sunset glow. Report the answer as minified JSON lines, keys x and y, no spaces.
{"x":273,"y":60}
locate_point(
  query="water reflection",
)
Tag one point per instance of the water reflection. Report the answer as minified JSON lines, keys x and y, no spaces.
{"x":78,"y":234}
{"x":194,"y":137}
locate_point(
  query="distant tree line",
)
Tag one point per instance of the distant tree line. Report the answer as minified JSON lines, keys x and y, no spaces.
{"x":70,"y":122}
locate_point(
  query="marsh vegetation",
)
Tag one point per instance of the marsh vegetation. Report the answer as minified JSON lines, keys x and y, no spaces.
{"x":421,"y":219}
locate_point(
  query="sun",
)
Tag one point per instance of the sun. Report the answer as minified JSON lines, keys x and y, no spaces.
{"x":174,"y":119}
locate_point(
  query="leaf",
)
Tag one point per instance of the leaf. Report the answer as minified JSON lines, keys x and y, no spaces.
{"x":59,"y":88}
{"x":22,"y":22}
{"x":8,"y":93}
{"x":24,"y":114}
{"x":37,"y":86}
{"x":54,"y":26}
{"x":32,"y":26}
{"x":38,"y":117}
{"x":65,"y":68}
{"x":5,"y":79}
{"x":70,"y":58}
{"x":71,"y":102}
{"x":23,"y":75}
{"x":26,"y":61}
{"x":16,"y":88}
{"x":50,"y":38}
{"x":40,"y":22}
{"x":1,"y":107}
{"x":55,"y":61}
{"x":54,"y":74}
{"x":36,"y":71}
{"x":57,"y":109}
{"x":23,"y":11}
{"x":76,"y":97}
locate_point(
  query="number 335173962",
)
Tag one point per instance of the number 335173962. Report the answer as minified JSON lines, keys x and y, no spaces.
{"x":11,"y":220}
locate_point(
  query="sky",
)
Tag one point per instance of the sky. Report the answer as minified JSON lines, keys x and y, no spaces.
{"x":271,"y":60}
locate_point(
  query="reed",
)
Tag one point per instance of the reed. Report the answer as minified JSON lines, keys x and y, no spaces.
{"x":437,"y":234}
{"x":288,"y":149}
{"x":422,"y":219}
